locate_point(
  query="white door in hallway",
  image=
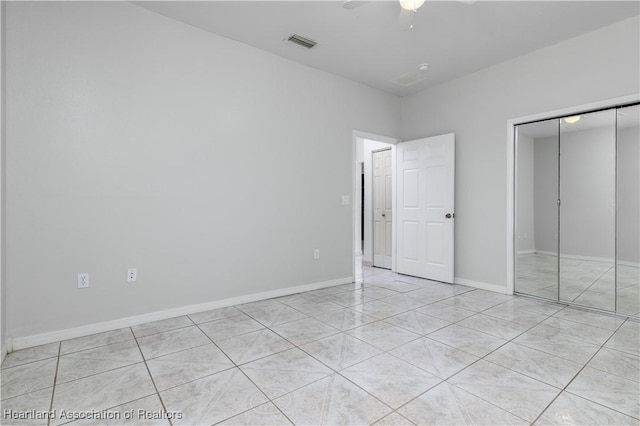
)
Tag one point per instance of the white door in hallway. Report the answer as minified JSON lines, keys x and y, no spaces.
{"x":382,"y":208}
{"x":425,"y":201}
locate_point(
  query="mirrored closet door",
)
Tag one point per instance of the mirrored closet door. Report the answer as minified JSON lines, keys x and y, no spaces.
{"x":588,"y":209}
{"x":628,"y":211}
{"x":577,"y":236}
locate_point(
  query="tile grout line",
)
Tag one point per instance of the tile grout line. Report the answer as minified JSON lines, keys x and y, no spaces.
{"x":299,"y":347}
{"x":584,"y":365}
{"x":144,"y":359}
{"x":237,"y":366}
{"x":479,"y":359}
{"x":55,"y":379}
{"x":592,"y":284}
{"x":344,"y":332}
{"x":564,"y":389}
{"x":31,"y":362}
{"x":97,"y":346}
{"x":101,"y":371}
{"x":419,"y":336}
{"x":395,"y":410}
{"x":386,"y":318}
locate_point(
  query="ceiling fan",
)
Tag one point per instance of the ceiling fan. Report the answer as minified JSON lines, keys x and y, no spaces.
{"x":408,"y":9}
{"x":406,"y":20}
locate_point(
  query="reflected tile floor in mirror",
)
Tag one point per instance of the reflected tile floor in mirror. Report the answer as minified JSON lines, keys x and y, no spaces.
{"x":388,"y":349}
{"x":585,"y":282}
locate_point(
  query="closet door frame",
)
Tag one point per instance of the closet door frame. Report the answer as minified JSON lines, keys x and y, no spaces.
{"x":511,"y":163}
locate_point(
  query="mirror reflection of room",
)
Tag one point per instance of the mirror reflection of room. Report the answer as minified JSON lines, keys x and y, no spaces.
{"x":628,"y":211}
{"x":537,"y":209}
{"x":577,"y":209}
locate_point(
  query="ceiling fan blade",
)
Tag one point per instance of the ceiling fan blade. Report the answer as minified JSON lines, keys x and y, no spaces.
{"x":352,"y":4}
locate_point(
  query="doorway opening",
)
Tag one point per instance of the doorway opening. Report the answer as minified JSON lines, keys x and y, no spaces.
{"x":364,"y":145}
{"x":420,"y":201}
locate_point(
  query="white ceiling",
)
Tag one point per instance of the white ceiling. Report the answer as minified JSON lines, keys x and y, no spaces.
{"x":371,"y":43}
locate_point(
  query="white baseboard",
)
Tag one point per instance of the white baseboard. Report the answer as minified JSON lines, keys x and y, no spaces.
{"x":588,"y":258}
{"x":531,"y":251}
{"x":86,"y":330}
{"x":480,"y":285}
{"x":546,"y":253}
{"x":577,"y":257}
{"x":3,"y":352}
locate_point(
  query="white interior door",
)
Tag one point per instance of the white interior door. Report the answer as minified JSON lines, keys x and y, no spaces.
{"x":425,"y":201}
{"x":382,"y":208}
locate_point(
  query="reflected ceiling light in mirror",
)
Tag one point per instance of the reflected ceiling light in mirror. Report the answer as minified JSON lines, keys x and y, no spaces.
{"x":572,"y":119}
{"x":411,"y":4}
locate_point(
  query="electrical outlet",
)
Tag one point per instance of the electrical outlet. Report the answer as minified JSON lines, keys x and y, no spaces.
{"x":132,"y":275}
{"x":316,"y":253}
{"x":83,"y":280}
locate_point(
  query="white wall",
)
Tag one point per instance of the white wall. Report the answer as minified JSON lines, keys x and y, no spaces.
{"x":601,"y":65}
{"x":546,"y":193}
{"x":525,"y":231}
{"x":629,"y":194}
{"x":3,"y":192}
{"x":138,"y":141}
{"x":588,"y":193}
{"x":215,"y":168}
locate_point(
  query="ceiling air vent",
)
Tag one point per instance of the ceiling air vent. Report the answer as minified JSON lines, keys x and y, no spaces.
{"x":302,"y":41}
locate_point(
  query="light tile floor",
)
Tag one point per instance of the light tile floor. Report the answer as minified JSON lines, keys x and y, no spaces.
{"x":387,"y":350}
{"x":585,"y":282}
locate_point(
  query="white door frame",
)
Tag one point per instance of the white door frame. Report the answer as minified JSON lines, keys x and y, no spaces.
{"x":358,"y":137}
{"x":511,"y":167}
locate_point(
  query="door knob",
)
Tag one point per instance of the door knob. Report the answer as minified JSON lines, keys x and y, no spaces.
{"x":384,"y":215}
{"x":449,"y":215}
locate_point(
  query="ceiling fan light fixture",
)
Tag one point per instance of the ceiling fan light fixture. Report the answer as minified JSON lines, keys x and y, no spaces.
{"x":411,"y":4}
